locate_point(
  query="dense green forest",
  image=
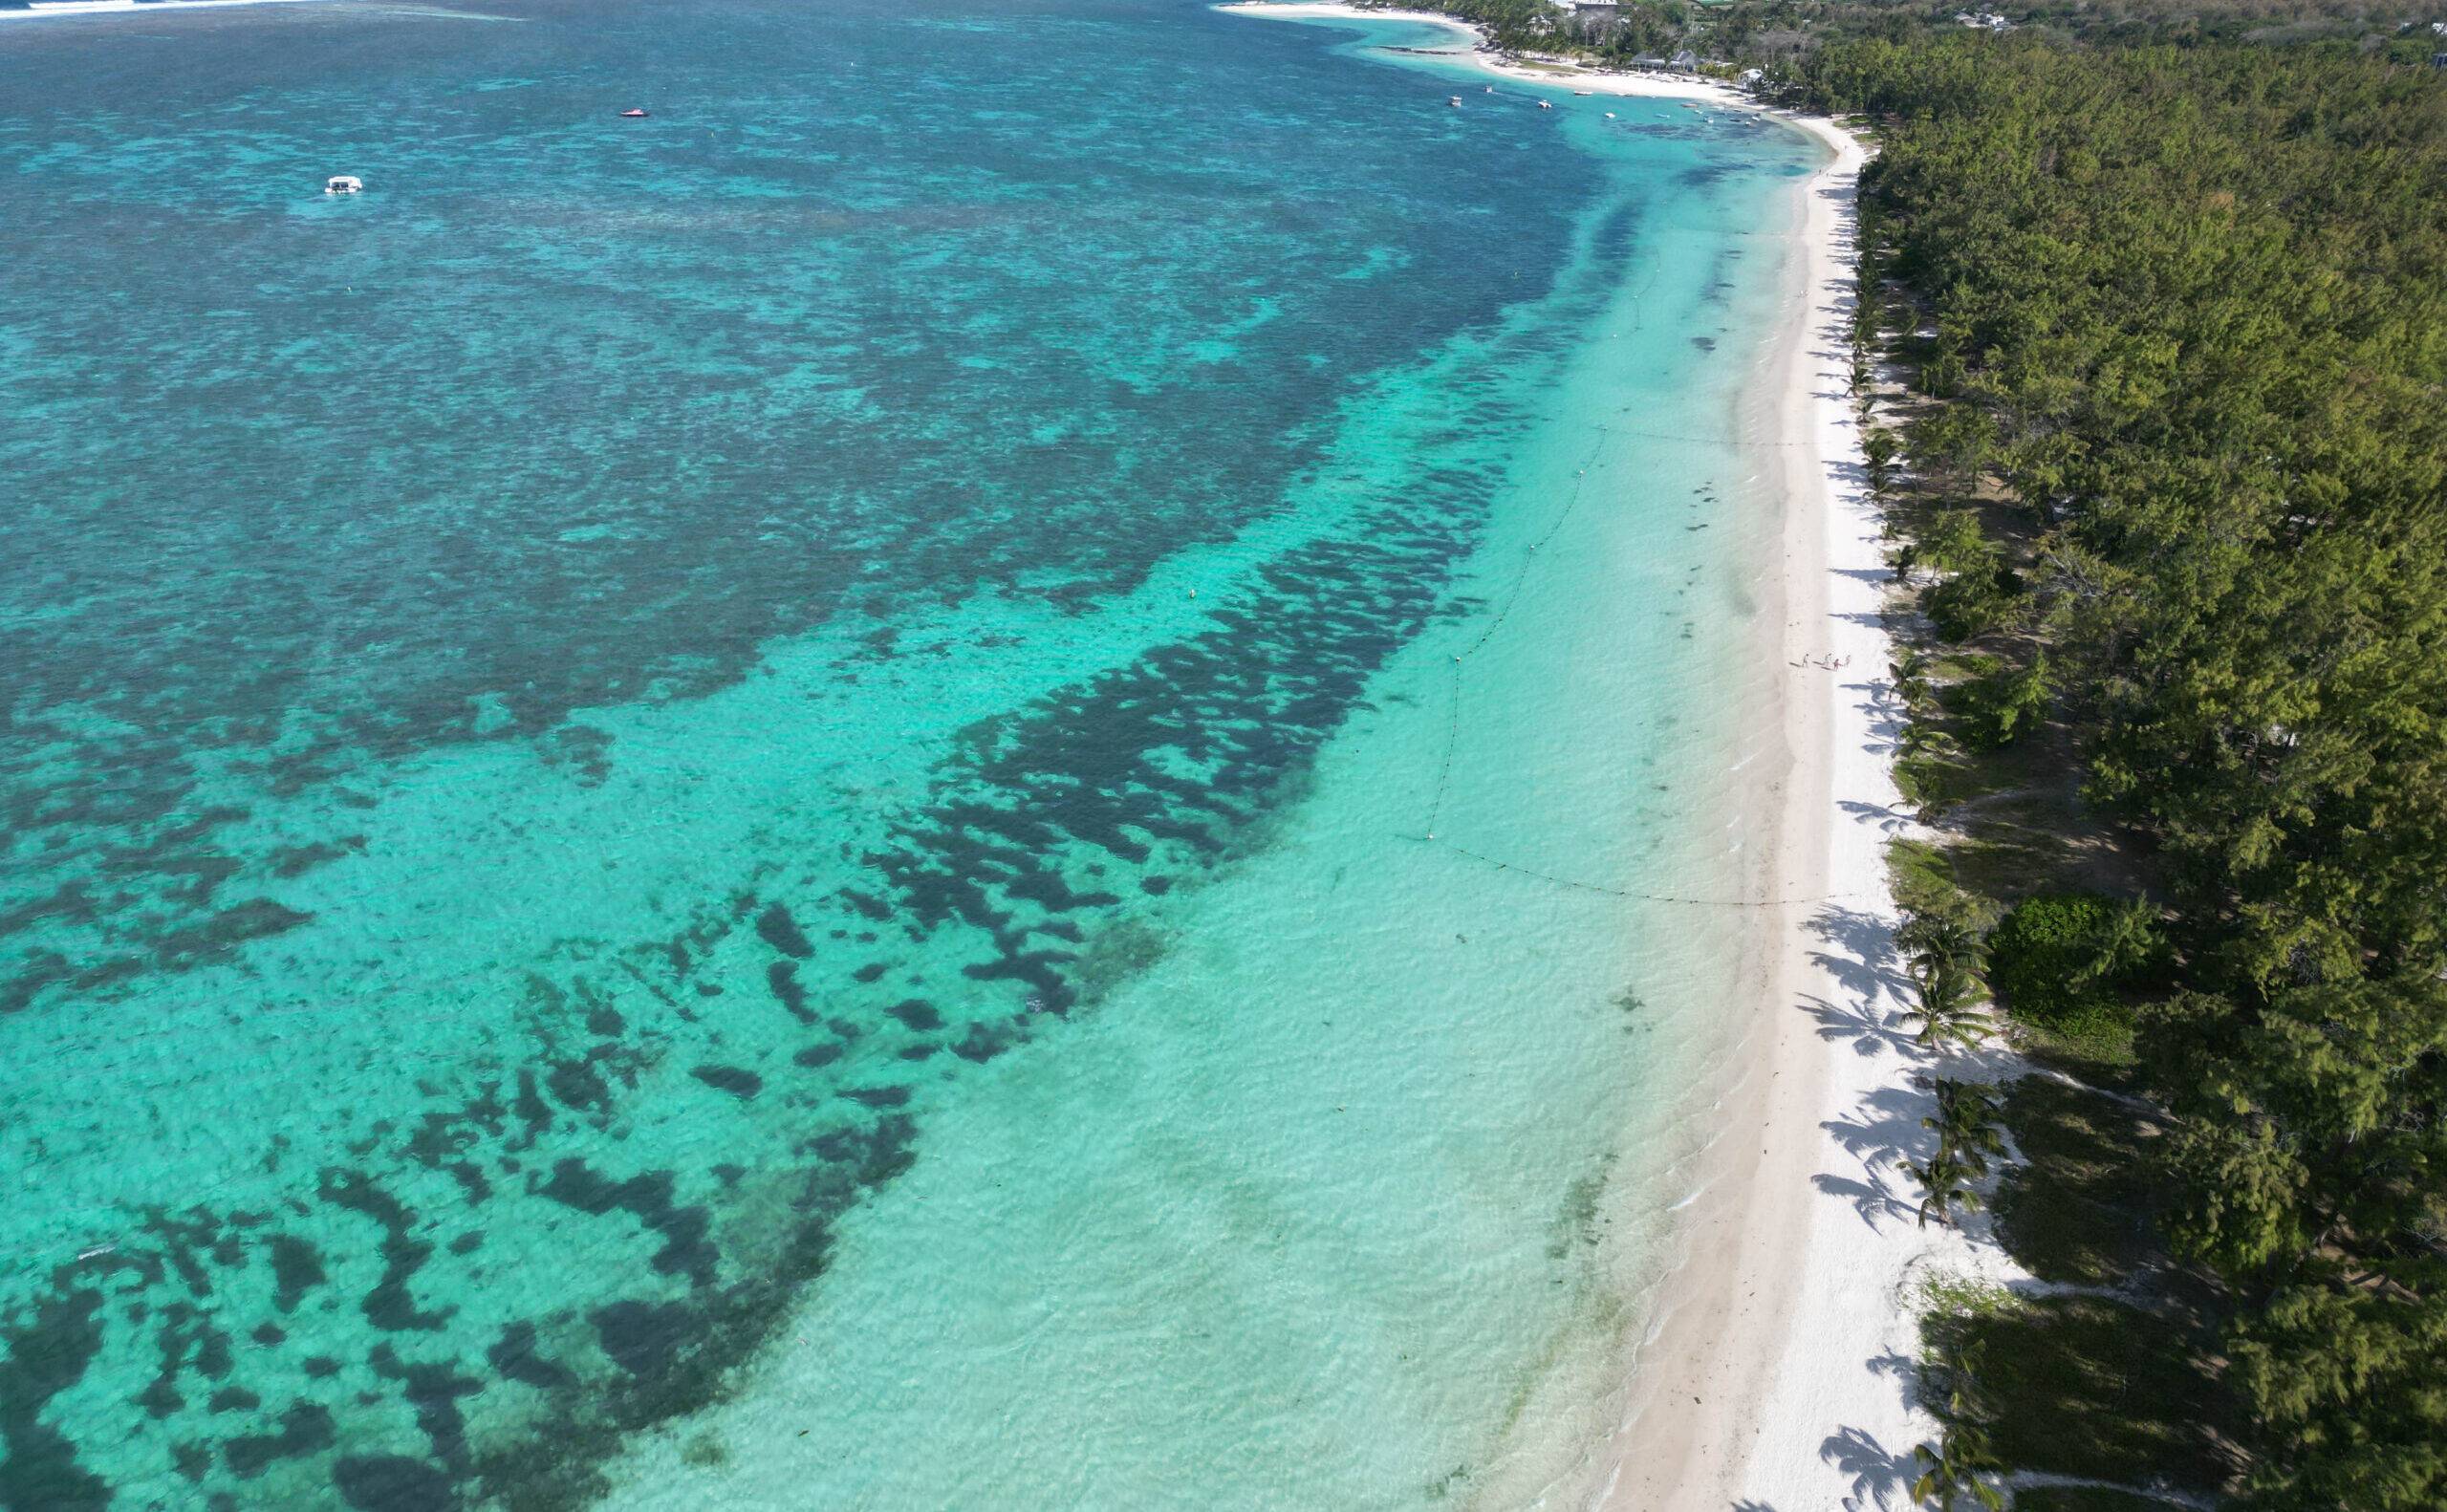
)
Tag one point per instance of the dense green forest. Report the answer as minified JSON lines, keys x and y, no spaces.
{"x":2176,"y":314}
{"x":1769,"y":32}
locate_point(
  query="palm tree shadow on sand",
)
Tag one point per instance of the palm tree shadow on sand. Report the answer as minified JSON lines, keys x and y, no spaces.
{"x":1877,"y":1475}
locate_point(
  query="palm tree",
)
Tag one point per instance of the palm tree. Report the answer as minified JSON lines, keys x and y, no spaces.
{"x":1929,"y":941}
{"x":1942,"y":955}
{"x":1966,"y":1124}
{"x":1945,"y":1180}
{"x":1968,"y":1137}
{"x":1948,"y":1008}
{"x":1953,"y":1467}
{"x":1877,"y":454}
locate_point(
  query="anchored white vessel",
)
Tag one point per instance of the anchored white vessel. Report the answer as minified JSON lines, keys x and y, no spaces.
{"x":342,"y":183}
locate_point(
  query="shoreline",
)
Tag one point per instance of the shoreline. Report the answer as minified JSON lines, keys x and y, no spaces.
{"x":1635,"y":86}
{"x":1770,"y":1361}
{"x":1767,"y":1369}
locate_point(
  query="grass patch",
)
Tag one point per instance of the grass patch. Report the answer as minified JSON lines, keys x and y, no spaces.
{"x":1932,"y":781}
{"x":1921,"y":877}
{"x":1948,"y":1296}
{"x":2005,"y":861}
{"x":2078,"y":1211}
{"x":2081,"y":1386}
{"x":2094,"y":1050}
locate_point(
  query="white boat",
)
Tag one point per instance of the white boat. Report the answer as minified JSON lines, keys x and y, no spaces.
{"x":1545,"y":104}
{"x":1455,"y":102}
{"x":343,"y":183}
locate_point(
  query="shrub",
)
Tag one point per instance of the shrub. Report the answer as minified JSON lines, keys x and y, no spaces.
{"x":1999,"y":705}
{"x":2058,"y":961}
{"x":1971,"y":604}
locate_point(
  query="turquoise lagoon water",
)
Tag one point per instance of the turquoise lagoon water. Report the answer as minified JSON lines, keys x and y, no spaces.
{"x":735,"y":810}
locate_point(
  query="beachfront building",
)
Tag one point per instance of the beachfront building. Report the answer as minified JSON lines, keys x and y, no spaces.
{"x":1685,"y":61}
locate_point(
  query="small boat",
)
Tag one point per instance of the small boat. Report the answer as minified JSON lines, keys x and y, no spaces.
{"x":343,"y":183}
{"x":1545,"y":104}
{"x":633,"y":115}
{"x":1455,"y":102}
{"x":1584,"y":93}
{"x":1610,"y":115}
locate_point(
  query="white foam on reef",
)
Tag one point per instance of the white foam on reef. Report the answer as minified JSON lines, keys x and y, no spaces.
{"x":49,"y":7}
{"x":58,"y":7}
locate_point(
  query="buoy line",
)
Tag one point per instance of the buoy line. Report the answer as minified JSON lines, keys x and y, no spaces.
{"x":1453,"y":737}
{"x":1716,"y":441}
{"x":1520,"y":584}
{"x":1854,"y":895}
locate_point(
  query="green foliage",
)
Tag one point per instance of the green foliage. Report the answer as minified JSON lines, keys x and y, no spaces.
{"x":1969,"y":605}
{"x":1957,"y":1469}
{"x":1961,"y":1466}
{"x":2189,"y":307}
{"x":1925,"y":886}
{"x":2000,"y":704}
{"x":1942,"y":958}
{"x":1946,"y":1183}
{"x":2057,"y":961}
{"x":1948,"y":1296}
{"x":1956,"y":442}
{"x":2355,"y":1380}
{"x":1878,"y":449}
{"x":2318,"y":1117}
{"x":1951,"y":541}
{"x":1969,"y":1140}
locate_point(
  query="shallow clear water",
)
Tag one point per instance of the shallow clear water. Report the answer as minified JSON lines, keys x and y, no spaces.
{"x":734,"y":810}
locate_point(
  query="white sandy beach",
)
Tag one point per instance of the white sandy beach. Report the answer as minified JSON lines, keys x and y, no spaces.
{"x":1778,"y":1378}
{"x":1775,"y":1373}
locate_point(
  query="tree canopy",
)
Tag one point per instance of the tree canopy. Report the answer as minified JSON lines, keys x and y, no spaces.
{"x":2190,"y":310}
